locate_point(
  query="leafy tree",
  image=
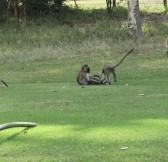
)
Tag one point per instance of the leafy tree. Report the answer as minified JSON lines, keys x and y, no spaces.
{"x":3,"y":10}
{"x":110,"y":4}
{"x":15,"y":7}
{"x":165,"y":4}
{"x":21,"y":8}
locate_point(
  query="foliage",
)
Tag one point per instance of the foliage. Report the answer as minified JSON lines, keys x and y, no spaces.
{"x":33,"y":7}
{"x":77,"y":32}
{"x":3,"y":10}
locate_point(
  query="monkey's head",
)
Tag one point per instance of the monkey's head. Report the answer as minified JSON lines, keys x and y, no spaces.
{"x":86,"y":69}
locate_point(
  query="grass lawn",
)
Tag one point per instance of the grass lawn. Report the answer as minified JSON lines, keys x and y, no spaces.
{"x":92,"y":123}
{"x":85,"y":124}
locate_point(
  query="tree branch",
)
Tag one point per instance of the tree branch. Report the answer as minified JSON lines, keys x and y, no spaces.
{"x":17,"y":124}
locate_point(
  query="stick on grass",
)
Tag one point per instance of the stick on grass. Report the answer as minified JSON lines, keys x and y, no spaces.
{"x":17,"y":124}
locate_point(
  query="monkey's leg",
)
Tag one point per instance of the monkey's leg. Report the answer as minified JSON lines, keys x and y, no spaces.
{"x":114,"y":75}
{"x":97,"y":76}
{"x":94,"y":76}
{"x":94,"y":81}
{"x":105,"y":80}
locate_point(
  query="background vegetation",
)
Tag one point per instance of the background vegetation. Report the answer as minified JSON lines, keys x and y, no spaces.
{"x":40,"y":63}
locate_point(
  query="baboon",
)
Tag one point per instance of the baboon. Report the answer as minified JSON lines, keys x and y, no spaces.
{"x":84,"y":78}
{"x":4,"y":83}
{"x":166,"y":44}
{"x":109,"y":68}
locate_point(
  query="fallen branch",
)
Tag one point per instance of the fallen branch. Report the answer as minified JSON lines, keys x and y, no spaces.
{"x":17,"y":124}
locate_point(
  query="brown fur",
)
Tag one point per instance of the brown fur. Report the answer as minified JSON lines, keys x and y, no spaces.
{"x":84,"y":78}
{"x":109,"y":68}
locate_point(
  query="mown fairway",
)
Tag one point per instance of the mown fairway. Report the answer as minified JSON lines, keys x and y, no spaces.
{"x":84,"y":124}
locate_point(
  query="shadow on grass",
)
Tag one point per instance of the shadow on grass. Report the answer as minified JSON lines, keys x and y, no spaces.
{"x":85,"y":147}
{"x":12,"y":137}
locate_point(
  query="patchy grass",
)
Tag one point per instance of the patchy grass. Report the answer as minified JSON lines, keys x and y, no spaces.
{"x":82,"y":32}
{"x":84,"y":123}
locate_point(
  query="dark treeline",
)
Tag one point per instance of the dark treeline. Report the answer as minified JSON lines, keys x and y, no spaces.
{"x":20,"y":9}
{"x":36,"y":7}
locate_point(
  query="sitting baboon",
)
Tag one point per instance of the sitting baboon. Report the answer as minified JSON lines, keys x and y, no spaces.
{"x":109,"y":68}
{"x":84,"y":78}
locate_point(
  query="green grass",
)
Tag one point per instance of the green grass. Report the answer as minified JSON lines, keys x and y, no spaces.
{"x":86,"y":124}
{"x":71,"y":130}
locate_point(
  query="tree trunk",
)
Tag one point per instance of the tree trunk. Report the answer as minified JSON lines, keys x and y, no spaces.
{"x":108,"y":2}
{"x":24,"y":18}
{"x":15,"y":6}
{"x":109,"y":5}
{"x":166,"y":44}
{"x":134,"y":21}
{"x":114,"y":3}
{"x":165,"y":4}
{"x":75,"y":4}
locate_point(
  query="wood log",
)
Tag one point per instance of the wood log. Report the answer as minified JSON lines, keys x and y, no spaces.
{"x":17,"y":124}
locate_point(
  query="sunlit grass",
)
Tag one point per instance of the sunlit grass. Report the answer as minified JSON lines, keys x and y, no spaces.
{"x":149,"y":6}
{"x":87,"y":4}
{"x":86,"y":124}
{"x":133,"y":130}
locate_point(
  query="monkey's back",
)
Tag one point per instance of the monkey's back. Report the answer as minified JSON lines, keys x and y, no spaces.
{"x":82,"y":78}
{"x":108,"y":67}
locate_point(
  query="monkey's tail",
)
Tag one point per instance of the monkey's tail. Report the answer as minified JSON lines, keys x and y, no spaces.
{"x":4,"y":83}
{"x":123,"y":58}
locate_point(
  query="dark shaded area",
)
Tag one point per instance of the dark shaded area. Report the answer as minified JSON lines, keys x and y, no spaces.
{"x":13,"y":136}
{"x":42,"y":12}
{"x":67,"y":148}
